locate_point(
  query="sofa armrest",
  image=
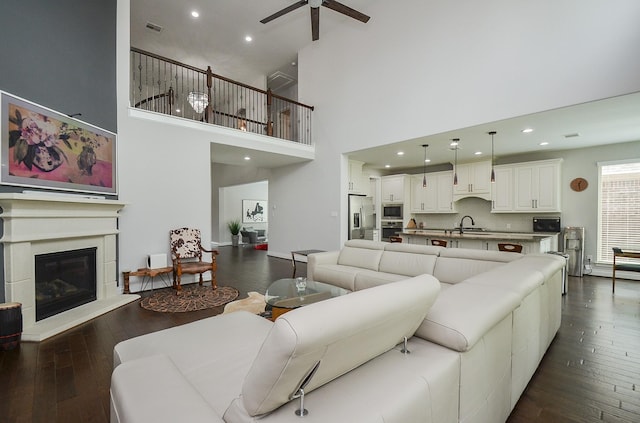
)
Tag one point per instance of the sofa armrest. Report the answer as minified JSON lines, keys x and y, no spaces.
{"x":313,"y":260}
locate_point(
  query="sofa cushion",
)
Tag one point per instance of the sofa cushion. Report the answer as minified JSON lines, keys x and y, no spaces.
{"x":368,"y":279}
{"x":365,"y":255}
{"x":337,"y":335}
{"x":457,"y":264}
{"x":408,"y":264}
{"x":148,"y":390}
{"x":460,"y":316}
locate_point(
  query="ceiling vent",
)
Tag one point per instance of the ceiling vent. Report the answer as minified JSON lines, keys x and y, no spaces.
{"x":279,"y":80}
{"x":573,"y":135}
{"x":154,"y":27}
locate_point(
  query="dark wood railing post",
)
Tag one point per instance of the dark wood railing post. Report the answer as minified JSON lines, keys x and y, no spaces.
{"x":170,"y":100}
{"x":269,"y":121}
{"x":209,"y":112}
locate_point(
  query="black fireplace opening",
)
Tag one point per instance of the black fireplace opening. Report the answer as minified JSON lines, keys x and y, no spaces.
{"x":64,"y":280}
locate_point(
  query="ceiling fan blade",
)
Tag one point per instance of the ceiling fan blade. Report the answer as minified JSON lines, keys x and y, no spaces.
{"x":284,"y":11}
{"x":346,"y":10}
{"x":315,"y":23}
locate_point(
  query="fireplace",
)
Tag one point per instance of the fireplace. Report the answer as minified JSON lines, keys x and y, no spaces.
{"x":64,"y":280}
{"x":60,"y":259}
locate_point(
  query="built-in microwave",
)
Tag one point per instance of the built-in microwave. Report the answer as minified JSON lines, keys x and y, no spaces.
{"x":392,"y":211}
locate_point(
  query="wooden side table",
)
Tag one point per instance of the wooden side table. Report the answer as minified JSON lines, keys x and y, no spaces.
{"x":301,"y":253}
{"x":147,"y":274}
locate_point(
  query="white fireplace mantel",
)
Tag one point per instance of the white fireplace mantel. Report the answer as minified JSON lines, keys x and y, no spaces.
{"x":45,"y":223}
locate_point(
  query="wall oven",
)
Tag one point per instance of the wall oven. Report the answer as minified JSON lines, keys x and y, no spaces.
{"x":390,"y":229}
{"x":392,"y":211}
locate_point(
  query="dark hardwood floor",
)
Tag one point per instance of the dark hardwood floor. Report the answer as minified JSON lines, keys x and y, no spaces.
{"x":591,"y":372}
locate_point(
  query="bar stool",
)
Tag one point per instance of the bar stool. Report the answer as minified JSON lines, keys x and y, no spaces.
{"x":439,"y":242}
{"x":512,"y":248}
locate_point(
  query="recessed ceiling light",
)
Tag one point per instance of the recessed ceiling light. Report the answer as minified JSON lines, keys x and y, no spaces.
{"x":248,"y":38}
{"x":527,"y":130}
{"x":387,"y":166}
{"x":177,"y":110}
{"x":477,"y":153}
{"x":195,"y":13}
{"x":544,"y":143}
{"x":400,"y":153}
{"x":427,"y":160}
{"x":247,"y":158}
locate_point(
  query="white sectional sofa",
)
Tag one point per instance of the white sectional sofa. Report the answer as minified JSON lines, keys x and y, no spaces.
{"x":477,"y":323}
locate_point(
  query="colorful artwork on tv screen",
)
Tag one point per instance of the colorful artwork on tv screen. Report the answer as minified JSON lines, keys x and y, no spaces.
{"x":44,"y":148}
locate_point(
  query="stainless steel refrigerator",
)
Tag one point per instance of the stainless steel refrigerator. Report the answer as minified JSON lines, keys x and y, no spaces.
{"x":361,"y":217}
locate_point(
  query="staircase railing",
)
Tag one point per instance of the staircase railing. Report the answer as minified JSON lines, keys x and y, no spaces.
{"x":166,"y":86}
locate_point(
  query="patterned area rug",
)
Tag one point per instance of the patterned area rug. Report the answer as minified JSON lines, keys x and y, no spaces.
{"x":191,"y":298}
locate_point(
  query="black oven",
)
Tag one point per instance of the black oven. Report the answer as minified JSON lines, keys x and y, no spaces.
{"x":390,"y":229}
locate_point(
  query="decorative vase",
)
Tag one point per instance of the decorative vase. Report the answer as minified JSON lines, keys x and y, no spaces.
{"x":234,"y":240}
{"x":45,"y":158}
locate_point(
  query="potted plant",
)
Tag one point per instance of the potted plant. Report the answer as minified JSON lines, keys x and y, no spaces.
{"x":234,"y":227}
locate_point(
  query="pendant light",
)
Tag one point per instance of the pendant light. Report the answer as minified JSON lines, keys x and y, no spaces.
{"x":454,"y":144}
{"x":493,"y":172}
{"x":424,"y":166}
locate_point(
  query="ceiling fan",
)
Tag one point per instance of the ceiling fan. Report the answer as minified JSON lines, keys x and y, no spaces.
{"x":315,"y":13}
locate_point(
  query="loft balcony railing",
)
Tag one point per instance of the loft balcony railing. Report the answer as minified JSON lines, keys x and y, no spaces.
{"x":166,"y":86}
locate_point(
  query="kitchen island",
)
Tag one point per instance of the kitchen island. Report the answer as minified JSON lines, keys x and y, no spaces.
{"x":532,"y":242}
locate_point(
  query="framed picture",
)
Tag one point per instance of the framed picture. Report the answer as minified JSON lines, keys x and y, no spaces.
{"x":254,"y":211}
{"x":42,"y":148}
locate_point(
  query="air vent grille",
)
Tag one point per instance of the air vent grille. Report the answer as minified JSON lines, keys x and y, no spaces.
{"x":154,"y":27}
{"x":572,"y":135}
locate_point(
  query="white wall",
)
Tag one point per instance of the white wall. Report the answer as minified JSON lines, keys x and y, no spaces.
{"x":434,"y":66}
{"x":415,"y":70}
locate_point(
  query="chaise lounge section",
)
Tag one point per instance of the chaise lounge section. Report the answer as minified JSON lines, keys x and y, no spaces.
{"x":477,"y":323}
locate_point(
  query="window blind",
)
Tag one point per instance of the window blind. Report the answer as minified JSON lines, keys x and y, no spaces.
{"x":619,"y":212}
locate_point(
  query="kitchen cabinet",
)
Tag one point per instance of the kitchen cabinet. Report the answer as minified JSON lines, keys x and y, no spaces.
{"x":537,"y":186}
{"x":437,"y":197}
{"x":502,"y":190}
{"x":358,"y":184}
{"x":474,"y":180}
{"x":476,"y":244}
{"x":394,"y":188}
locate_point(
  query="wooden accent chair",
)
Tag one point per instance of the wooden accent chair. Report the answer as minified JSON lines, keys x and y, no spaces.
{"x":186,"y":254}
{"x":394,"y":238}
{"x":439,"y":242}
{"x":512,"y":248}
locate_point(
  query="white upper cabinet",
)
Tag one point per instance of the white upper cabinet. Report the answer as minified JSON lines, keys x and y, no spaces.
{"x":527,"y":187}
{"x":502,"y":190}
{"x":437,"y":197}
{"x":393,"y":188}
{"x":358,"y":184}
{"x":537,"y":186}
{"x":474,"y":180}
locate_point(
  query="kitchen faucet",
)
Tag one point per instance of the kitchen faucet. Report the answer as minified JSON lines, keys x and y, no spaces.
{"x":462,"y":221}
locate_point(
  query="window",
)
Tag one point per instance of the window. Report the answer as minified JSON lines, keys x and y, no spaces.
{"x":619,"y":208}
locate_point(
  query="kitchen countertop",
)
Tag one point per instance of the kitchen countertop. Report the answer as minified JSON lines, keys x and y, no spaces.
{"x":514,"y":236}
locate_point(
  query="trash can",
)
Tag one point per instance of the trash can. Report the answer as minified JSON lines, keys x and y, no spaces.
{"x":10,"y":325}
{"x":565,"y":269}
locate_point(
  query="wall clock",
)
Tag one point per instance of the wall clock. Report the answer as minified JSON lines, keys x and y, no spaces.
{"x":579,"y":184}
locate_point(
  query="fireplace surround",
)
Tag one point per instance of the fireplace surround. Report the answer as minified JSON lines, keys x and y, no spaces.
{"x":37,"y":224}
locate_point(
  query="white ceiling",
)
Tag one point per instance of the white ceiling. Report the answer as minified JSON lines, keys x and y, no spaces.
{"x":216,"y":39}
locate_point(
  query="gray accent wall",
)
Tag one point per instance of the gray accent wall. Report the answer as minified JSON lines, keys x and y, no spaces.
{"x":62,"y":55}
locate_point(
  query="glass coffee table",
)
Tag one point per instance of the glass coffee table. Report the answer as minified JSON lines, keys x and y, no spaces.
{"x":286,"y":294}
